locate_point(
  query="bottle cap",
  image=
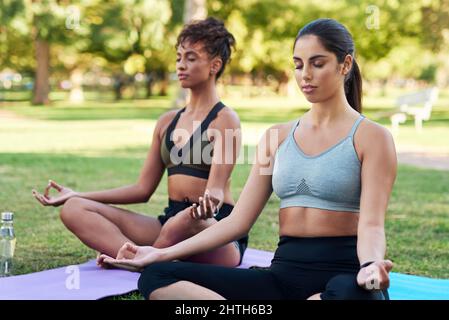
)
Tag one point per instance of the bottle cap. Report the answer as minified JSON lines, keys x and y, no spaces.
{"x":7,"y":216}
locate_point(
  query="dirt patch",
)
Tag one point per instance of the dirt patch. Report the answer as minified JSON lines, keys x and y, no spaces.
{"x":425,"y":160}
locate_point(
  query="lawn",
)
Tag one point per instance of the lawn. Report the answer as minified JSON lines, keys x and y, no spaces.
{"x":98,"y":146}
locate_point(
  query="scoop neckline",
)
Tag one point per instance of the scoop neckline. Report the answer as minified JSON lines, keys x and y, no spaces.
{"x":298,"y":148}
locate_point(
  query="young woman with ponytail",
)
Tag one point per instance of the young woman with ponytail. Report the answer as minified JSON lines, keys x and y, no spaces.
{"x":333,"y":171}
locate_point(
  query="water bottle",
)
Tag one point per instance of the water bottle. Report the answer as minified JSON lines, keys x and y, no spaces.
{"x":7,"y":244}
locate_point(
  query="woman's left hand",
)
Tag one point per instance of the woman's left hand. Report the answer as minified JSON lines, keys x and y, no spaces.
{"x":206,"y":208}
{"x":141,"y":257}
{"x":375,"y":276}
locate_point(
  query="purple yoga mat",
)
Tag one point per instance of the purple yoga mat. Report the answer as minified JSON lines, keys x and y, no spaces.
{"x":87,"y":281}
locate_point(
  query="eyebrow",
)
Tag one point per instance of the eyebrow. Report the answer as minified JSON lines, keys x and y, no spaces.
{"x":311,"y":58}
{"x":188,"y":52}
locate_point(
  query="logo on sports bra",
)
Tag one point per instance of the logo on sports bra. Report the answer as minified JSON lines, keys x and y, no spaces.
{"x":303,"y":188}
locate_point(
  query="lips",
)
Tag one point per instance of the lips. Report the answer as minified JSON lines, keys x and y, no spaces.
{"x":182,"y":76}
{"x":308,"y":88}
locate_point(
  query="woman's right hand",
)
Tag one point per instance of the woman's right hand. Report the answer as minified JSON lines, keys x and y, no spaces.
{"x":63,"y":195}
{"x":141,"y":256}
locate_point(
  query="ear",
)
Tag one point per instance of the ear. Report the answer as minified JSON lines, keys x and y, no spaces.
{"x":347,"y":64}
{"x":215,"y":65}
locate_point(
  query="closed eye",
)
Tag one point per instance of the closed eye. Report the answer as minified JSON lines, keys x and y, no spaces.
{"x":316,"y":65}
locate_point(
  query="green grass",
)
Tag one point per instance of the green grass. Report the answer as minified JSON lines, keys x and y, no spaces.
{"x":417,"y":225}
{"x":98,"y":146}
{"x":256,"y":114}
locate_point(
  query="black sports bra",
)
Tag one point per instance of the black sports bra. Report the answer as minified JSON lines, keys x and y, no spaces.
{"x":192,"y":159}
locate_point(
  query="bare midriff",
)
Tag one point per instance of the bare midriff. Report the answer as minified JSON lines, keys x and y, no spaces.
{"x":183,"y":186}
{"x":312,"y":222}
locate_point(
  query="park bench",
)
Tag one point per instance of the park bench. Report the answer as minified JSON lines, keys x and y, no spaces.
{"x":418,"y":104}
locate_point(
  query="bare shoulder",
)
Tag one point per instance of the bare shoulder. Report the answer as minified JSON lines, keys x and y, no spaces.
{"x":373,"y":132}
{"x":373,"y":137}
{"x":164,"y":121}
{"x":282,"y":129}
{"x":275,"y":135}
{"x":227,"y":119}
{"x":167,"y":117}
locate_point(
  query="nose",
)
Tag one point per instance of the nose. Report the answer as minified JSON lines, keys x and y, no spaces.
{"x":306,"y":73}
{"x":180,"y":65}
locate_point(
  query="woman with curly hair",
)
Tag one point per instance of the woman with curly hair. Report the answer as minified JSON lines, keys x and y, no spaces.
{"x":191,"y":144}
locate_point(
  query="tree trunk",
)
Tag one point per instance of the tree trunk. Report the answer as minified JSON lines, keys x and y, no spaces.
{"x":41,"y":81}
{"x":164,"y":84}
{"x":119,"y":83}
{"x":282,"y":86}
{"x":149,"y":82}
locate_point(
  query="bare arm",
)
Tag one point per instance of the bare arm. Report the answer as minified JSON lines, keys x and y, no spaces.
{"x":227,"y":140}
{"x":141,"y":191}
{"x":149,"y":178}
{"x":378,"y":176}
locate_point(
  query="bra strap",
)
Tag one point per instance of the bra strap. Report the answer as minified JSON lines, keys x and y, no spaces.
{"x":168,"y":134}
{"x":294,"y":126}
{"x":355,"y":126}
{"x":209,"y":118}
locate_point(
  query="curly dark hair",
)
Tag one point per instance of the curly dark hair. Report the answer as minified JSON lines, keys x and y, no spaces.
{"x":212,"y":33}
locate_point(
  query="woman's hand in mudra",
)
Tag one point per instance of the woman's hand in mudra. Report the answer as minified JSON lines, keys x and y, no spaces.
{"x":206,"y":208}
{"x":375,"y":276}
{"x":131,"y":257}
{"x":63,"y":194}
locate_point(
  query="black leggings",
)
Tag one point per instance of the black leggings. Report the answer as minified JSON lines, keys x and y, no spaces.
{"x":301,"y":267}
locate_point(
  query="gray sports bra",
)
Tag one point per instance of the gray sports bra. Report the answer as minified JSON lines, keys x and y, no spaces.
{"x":330,"y":180}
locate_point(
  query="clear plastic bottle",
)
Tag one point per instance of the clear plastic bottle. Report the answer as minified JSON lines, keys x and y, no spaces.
{"x":7,"y":244}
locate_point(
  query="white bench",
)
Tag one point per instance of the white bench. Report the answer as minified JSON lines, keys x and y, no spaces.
{"x":417,"y":104}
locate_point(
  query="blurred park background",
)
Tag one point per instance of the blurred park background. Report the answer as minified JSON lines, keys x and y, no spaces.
{"x":82,"y":84}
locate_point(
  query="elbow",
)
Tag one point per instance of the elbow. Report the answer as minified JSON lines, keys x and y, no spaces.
{"x":241,"y":228}
{"x":142,"y":194}
{"x":240,"y":233}
{"x":237,"y":228}
{"x":245,"y":230}
{"x":145,"y":197}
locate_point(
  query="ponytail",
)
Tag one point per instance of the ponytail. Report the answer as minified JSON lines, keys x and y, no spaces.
{"x":353,"y":88}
